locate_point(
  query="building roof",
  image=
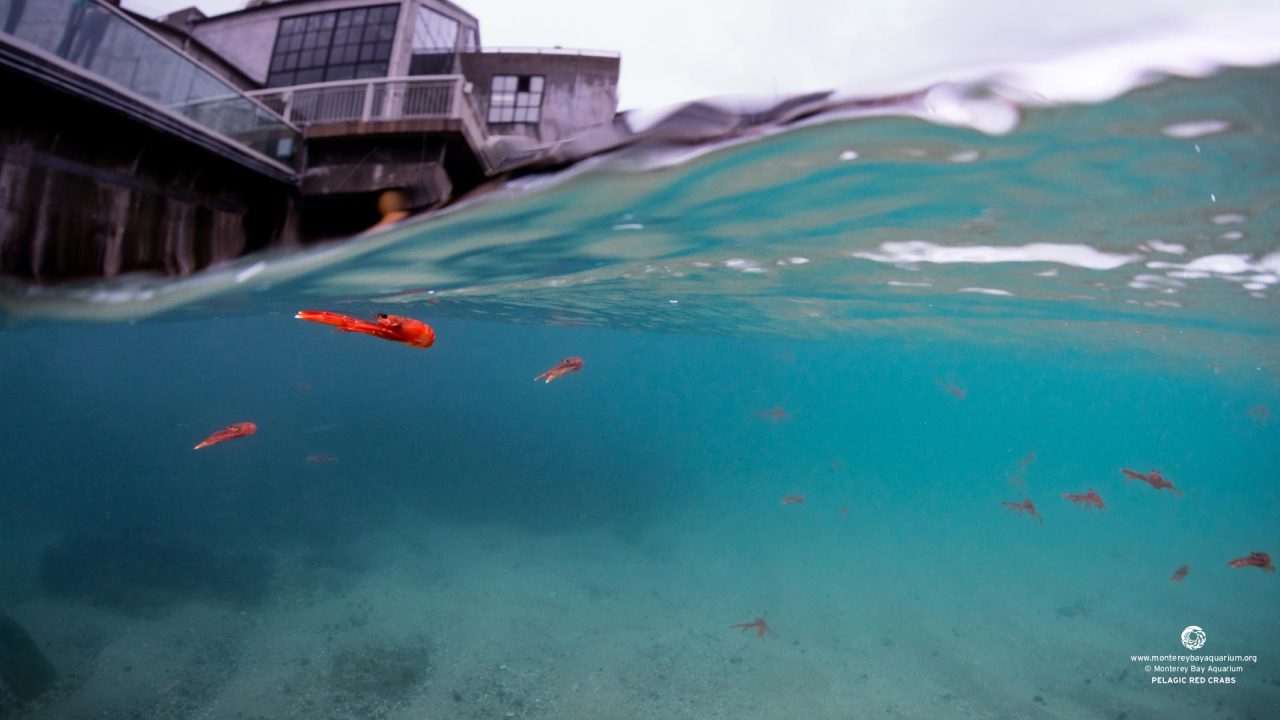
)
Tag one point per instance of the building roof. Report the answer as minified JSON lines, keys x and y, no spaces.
{"x":274,"y":4}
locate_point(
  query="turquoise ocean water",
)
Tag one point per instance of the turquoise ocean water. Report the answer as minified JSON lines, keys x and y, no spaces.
{"x":906,"y":323}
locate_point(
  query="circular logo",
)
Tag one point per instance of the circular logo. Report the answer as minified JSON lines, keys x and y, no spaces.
{"x":1193,"y":637}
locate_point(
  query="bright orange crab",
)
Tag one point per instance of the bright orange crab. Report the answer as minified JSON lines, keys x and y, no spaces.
{"x":414,"y":333}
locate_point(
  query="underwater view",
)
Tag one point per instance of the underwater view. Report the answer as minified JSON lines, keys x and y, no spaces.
{"x":878,"y":413}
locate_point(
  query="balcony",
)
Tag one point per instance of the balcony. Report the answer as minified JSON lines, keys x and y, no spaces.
{"x":367,"y":106}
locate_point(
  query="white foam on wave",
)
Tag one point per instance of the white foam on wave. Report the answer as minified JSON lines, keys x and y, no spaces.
{"x":1167,"y":247}
{"x":1076,"y":255}
{"x":1220,"y":264}
{"x":986,"y":95}
{"x":1196,"y":128}
{"x":250,"y":272}
{"x":1257,"y":276}
{"x":955,"y":105}
{"x":1241,"y":35}
{"x":1187,"y":274}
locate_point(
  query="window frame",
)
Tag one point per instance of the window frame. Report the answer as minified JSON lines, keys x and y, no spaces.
{"x":516,"y":99}
{"x":333,"y":45}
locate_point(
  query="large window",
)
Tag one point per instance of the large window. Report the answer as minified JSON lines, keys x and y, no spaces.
{"x":435,"y":31}
{"x":339,"y":45}
{"x":437,"y":38}
{"x":515,"y":98}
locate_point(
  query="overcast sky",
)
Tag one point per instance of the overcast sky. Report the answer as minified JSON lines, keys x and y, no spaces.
{"x":676,"y":50}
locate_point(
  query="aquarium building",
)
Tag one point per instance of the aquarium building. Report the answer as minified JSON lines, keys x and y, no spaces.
{"x":322,"y":107}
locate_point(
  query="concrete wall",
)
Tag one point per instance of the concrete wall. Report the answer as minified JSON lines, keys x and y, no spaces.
{"x":581,"y":91}
{"x":87,"y":192}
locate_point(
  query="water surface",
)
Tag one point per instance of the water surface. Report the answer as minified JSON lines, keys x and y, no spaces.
{"x":907,"y":323}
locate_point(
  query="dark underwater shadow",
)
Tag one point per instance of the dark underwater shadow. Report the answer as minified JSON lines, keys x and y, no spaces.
{"x":143,"y":573}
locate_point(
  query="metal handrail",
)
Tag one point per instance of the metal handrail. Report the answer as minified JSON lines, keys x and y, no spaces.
{"x":373,"y":99}
{"x":380,"y":99}
{"x":341,"y":83}
{"x":552,"y":51}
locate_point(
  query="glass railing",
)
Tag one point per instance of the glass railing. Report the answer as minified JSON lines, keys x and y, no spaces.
{"x":110,"y":45}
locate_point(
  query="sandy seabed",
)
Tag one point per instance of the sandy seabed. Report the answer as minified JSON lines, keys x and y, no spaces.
{"x":489,"y":621}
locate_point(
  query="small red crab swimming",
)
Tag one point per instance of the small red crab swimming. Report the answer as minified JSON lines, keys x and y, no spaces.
{"x":1027,"y":459}
{"x":229,"y":432}
{"x":760,"y":626}
{"x":1025,"y":506}
{"x":1181,"y":573}
{"x":954,"y":391}
{"x":1085,"y":499}
{"x":413,"y":333}
{"x":1254,"y":559}
{"x":564,"y":367}
{"x":774,"y":414}
{"x":1153,"y":478}
{"x":1261,"y":414}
